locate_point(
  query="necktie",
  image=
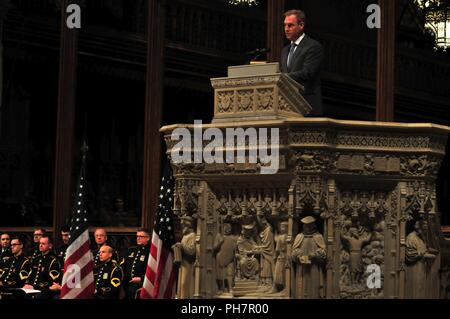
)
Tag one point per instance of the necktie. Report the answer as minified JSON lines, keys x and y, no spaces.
{"x":291,"y":53}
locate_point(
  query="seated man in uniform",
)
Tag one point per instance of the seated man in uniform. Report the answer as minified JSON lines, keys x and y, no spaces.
{"x":61,"y":251}
{"x":5,"y":250}
{"x":15,"y":270}
{"x":45,"y":271}
{"x":108,"y":275}
{"x":135,"y":263}
{"x":101,"y":237}
{"x":34,"y":251}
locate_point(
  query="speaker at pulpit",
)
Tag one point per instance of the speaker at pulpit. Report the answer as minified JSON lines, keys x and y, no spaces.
{"x":257,"y":92}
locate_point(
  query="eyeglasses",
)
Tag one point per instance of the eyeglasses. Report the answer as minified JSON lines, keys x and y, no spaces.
{"x":16,"y":244}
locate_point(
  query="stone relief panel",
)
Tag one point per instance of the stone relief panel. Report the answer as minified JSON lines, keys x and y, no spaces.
{"x":250,"y":247}
{"x":419,"y":165}
{"x":245,"y":100}
{"x":225,"y":102}
{"x":264,"y":99}
{"x":309,"y":161}
{"x":362,"y":227}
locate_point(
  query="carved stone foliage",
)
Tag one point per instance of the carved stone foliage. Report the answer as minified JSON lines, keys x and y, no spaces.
{"x":186,"y":197}
{"x":241,"y":82}
{"x":188,"y":168}
{"x":310,"y":161}
{"x":418,"y":200}
{"x":283,"y":105}
{"x":361,"y":226}
{"x":308,"y":137}
{"x":378,"y":164}
{"x":264,"y":98}
{"x":245,"y":100}
{"x":419,"y":165}
{"x":243,"y":205}
{"x":225,"y":102}
{"x":385,"y":141}
{"x":310,"y":195}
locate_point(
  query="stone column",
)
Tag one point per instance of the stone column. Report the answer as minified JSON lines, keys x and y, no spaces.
{"x":65,"y":123}
{"x":386,"y":62}
{"x":153,"y":111}
{"x":275,"y":9}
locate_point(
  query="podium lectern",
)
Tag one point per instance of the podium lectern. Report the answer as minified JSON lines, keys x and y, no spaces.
{"x":257,"y":92}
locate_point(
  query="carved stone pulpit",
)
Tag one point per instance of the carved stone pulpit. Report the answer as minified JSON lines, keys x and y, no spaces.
{"x":257,"y":92}
{"x":349,"y":211}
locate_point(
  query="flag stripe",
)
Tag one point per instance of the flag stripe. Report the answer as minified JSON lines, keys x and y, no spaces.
{"x":160,"y":275}
{"x":85,"y":264}
{"x":78,"y":279}
{"x":166,"y":269}
{"x":81,"y":293}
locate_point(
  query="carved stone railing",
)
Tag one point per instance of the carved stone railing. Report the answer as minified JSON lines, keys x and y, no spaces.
{"x":368,"y":187}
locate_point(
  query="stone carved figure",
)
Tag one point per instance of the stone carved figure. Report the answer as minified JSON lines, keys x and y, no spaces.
{"x":417,"y":257}
{"x":248,"y":264}
{"x":225,"y":247}
{"x":355,"y":240}
{"x":309,"y":256}
{"x":185,"y":253}
{"x":266,"y":248}
{"x":280,"y":258}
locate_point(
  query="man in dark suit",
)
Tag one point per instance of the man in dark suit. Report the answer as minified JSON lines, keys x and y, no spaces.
{"x":302,"y":59}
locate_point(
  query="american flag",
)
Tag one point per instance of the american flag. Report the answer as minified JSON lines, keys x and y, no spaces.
{"x":78,"y":279}
{"x":160,"y":276}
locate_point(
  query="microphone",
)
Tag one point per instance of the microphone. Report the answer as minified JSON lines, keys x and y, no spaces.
{"x":258,"y":51}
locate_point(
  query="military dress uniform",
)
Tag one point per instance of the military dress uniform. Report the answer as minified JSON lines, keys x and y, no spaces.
{"x":108,"y":279}
{"x":14,"y":272}
{"x":135,"y":265}
{"x":61,"y":255}
{"x":5,"y":254}
{"x":45,"y":270}
{"x":34,"y":253}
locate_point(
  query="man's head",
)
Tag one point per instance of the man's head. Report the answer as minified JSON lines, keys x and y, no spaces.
{"x":16,"y":246}
{"x":65,"y":235}
{"x":45,"y":244}
{"x":5,"y":240}
{"x":142,"y":237}
{"x":37,"y":235}
{"x":100,"y":236}
{"x":283,"y":227}
{"x":294,"y":24}
{"x":105,"y":254}
{"x":309,"y":225}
